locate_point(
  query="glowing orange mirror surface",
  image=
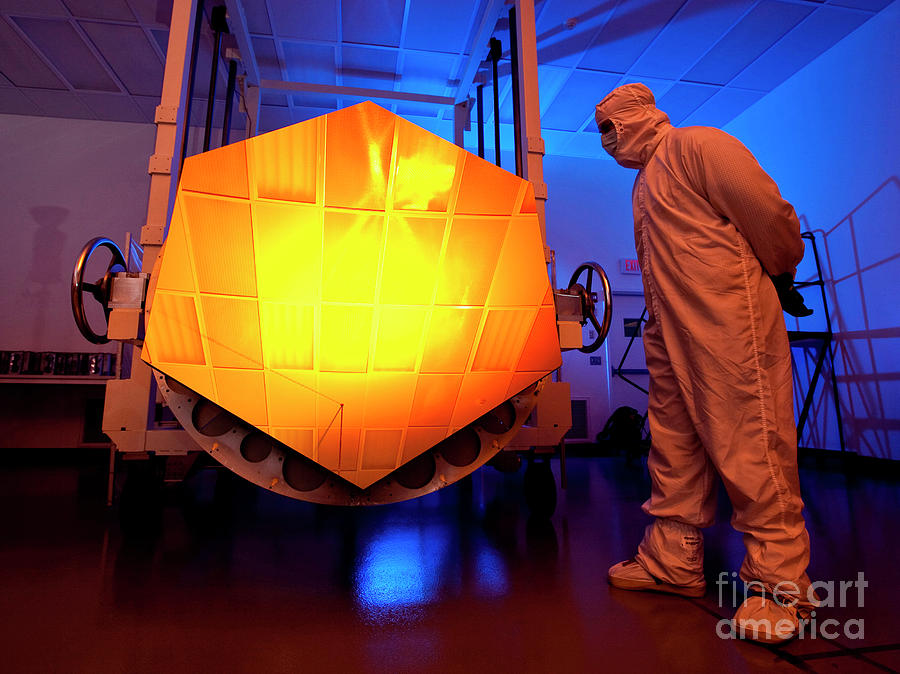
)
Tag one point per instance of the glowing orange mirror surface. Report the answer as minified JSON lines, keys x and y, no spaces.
{"x":354,"y":286}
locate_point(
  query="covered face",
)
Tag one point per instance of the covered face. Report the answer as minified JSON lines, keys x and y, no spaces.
{"x":631,"y":125}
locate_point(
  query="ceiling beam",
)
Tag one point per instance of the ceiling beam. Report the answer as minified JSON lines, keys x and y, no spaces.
{"x":355,"y":91}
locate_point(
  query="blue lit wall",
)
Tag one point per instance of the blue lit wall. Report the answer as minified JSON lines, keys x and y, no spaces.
{"x":829,"y":138}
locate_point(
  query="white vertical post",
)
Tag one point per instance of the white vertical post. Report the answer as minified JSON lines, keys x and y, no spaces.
{"x":530,"y":109}
{"x":127,"y":403}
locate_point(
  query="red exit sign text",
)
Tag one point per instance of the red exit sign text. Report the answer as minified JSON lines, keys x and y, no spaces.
{"x":629,"y":266}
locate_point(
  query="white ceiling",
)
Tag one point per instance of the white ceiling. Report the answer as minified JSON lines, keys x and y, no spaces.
{"x":706,"y":60}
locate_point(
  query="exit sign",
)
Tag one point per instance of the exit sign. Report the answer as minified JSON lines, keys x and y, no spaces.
{"x":629,"y":266}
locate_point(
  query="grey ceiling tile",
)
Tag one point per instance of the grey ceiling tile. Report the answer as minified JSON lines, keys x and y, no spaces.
{"x":113,"y":10}
{"x":632,"y":27}
{"x":309,"y":62}
{"x":426,"y":72}
{"x":365,"y":67}
{"x":35,"y":7}
{"x":313,"y":100}
{"x":442,"y":26}
{"x":130,"y":55}
{"x":688,"y":36}
{"x":309,"y":20}
{"x":871,"y":5}
{"x":817,"y":33}
{"x":113,"y":107}
{"x":67,"y":51}
{"x":271,"y":118}
{"x":21,"y":65}
{"x":552,"y":79}
{"x":147,"y":105}
{"x":14,"y":102}
{"x":576,"y":100}
{"x":682,"y":99}
{"x":59,"y":104}
{"x":257,"y":17}
{"x":414,"y":109}
{"x":755,"y":33}
{"x":267,"y":59}
{"x":162,"y":39}
{"x":565,"y":29}
{"x":375,"y":22}
{"x":273,"y":98}
{"x":301,"y":114}
{"x":152,"y":12}
{"x":724,"y":106}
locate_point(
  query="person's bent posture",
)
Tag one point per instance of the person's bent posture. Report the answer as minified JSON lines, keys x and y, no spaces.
{"x":714,"y":239}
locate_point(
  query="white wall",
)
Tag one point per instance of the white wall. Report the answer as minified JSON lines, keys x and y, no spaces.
{"x":65,"y":181}
{"x":829,"y":137}
{"x":589,"y":218}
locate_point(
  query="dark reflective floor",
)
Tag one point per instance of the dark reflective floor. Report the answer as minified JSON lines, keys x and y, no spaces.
{"x":227,"y":577}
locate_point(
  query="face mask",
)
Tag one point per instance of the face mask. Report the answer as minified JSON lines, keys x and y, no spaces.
{"x":609,"y":140}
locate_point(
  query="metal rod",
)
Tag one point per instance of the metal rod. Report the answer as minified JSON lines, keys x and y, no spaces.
{"x":229,"y":101}
{"x":495,"y":57}
{"x":217,"y":22}
{"x":479,"y":103}
{"x":195,"y":42}
{"x":514,"y":65}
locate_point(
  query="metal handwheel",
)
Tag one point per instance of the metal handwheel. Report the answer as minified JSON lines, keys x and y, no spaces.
{"x":100,"y":289}
{"x":589,"y":301}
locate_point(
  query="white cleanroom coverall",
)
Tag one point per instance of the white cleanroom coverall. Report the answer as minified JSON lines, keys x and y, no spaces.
{"x":710,"y":227}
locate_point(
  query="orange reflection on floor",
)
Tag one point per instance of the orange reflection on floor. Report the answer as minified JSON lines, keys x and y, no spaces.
{"x":353,"y":285}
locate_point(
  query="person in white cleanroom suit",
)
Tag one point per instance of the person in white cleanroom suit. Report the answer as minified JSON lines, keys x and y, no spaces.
{"x":714,"y":239}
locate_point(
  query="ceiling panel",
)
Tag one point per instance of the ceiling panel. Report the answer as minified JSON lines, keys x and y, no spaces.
{"x":112,"y":107}
{"x":14,"y":102}
{"x":565,"y":29}
{"x":361,"y":66}
{"x":35,"y":7}
{"x":871,"y":5}
{"x":257,"y":16}
{"x":267,"y":58}
{"x":307,"y":20}
{"x":59,"y":104}
{"x":576,"y":101}
{"x":682,"y":99}
{"x":376,"y":22}
{"x":743,"y":48}
{"x":688,"y":36}
{"x":161,"y":36}
{"x":21,"y":65}
{"x":130,"y":54}
{"x":313,"y":100}
{"x":755,"y":33}
{"x":438,"y":26}
{"x":147,"y":105}
{"x":810,"y":38}
{"x":724,"y":106}
{"x":633,"y":25}
{"x":114,"y":10}
{"x":309,"y":63}
{"x":152,"y":12}
{"x":64,"y":48}
{"x":427,"y":72}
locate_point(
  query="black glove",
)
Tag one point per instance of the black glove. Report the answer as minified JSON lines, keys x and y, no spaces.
{"x":791,"y":300}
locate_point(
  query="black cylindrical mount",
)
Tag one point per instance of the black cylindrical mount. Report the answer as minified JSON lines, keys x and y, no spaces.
{"x":496,"y":50}
{"x":514,"y":73}
{"x":229,"y":101}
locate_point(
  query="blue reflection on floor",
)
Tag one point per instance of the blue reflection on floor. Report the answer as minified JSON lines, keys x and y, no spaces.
{"x":400,"y":568}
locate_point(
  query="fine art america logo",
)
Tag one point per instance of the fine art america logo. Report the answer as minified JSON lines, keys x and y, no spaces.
{"x":820,"y":595}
